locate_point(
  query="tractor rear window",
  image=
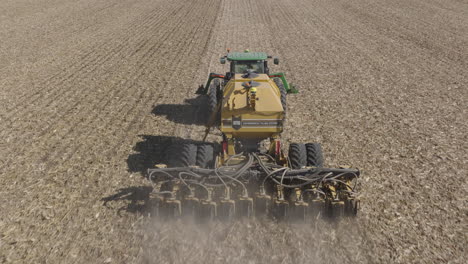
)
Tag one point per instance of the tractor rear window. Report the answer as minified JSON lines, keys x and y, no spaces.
{"x":243,"y":66}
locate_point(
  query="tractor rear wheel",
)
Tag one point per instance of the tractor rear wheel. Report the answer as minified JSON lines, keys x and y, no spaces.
{"x":297,"y":155}
{"x":205,"y":156}
{"x":213,"y":95}
{"x":314,"y":155}
{"x":182,"y":155}
{"x":283,"y":93}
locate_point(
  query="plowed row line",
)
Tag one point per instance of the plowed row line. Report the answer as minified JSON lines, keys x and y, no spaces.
{"x":83,"y":73}
{"x":89,"y":63}
{"x":115,"y":93}
{"x":403,"y":32}
{"x":62,"y":151}
{"x":187,"y":49}
{"x":139,"y":106}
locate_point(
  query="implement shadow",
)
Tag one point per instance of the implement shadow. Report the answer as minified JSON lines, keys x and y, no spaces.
{"x":138,"y":199}
{"x":152,"y":150}
{"x":192,"y":112}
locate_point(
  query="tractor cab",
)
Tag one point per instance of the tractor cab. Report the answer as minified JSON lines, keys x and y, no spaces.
{"x":245,"y":62}
{"x":242,"y":62}
{"x":252,"y":66}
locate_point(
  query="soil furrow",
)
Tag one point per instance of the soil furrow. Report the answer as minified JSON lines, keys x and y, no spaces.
{"x":86,"y":66}
{"x":90,"y":90}
{"x":117,"y":92}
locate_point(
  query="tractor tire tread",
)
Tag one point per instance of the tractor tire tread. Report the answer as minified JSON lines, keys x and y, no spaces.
{"x":205,"y":156}
{"x":283,"y":93}
{"x":297,"y":155}
{"x":182,"y":155}
{"x":314,"y":154}
{"x":213,"y":95}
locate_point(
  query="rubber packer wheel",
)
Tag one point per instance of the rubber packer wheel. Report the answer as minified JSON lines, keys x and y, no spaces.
{"x":314,"y":154}
{"x":205,"y":156}
{"x":283,"y":93}
{"x":182,"y":155}
{"x":297,"y":155}
{"x":213,"y":95}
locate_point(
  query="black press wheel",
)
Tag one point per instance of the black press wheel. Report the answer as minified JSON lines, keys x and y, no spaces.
{"x":205,"y":156}
{"x":297,"y":155}
{"x":182,"y":155}
{"x":314,"y":154}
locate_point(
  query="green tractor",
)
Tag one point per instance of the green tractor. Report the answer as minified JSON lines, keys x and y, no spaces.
{"x":242,"y":62}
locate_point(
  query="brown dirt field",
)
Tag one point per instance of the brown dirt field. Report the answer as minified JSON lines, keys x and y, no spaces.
{"x":89,"y":87}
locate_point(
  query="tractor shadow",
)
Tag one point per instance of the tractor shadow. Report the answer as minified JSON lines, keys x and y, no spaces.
{"x":192,"y":112}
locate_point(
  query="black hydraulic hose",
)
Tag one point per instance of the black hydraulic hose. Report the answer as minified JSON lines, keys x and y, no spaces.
{"x":289,"y":174}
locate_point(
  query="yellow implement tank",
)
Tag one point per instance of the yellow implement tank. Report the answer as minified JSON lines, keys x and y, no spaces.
{"x":252,"y":107}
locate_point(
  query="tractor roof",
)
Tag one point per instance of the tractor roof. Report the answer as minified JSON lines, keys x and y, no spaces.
{"x":246,"y":56}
